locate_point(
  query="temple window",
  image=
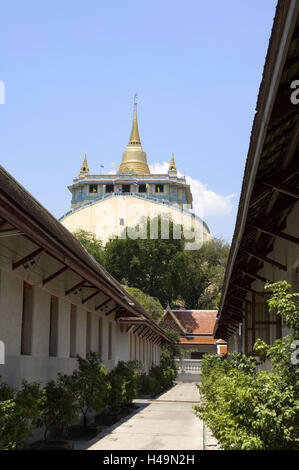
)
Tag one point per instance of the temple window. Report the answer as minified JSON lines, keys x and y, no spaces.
{"x":53,"y":333}
{"x":73,"y":331}
{"x":93,"y":188}
{"x":159,"y":188}
{"x":109,"y":188}
{"x":26,"y":329}
{"x":142,"y":188}
{"x":126,"y":188}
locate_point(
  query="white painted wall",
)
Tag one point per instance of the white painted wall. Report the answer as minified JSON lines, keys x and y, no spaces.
{"x":39,"y":366}
{"x":103,"y":217}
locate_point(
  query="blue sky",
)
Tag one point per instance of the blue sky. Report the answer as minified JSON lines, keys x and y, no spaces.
{"x":71,"y":69}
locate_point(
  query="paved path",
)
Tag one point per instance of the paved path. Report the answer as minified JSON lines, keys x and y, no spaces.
{"x":167,"y":423}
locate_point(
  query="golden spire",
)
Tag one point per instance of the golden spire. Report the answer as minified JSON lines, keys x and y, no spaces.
{"x":135,"y":139}
{"x":84,"y":167}
{"x":134,"y":158}
{"x":172,"y":165}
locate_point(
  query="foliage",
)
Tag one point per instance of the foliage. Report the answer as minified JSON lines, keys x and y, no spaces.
{"x":284,"y":304}
{"x":162,"y":268}
{"x":151,"y":304}
{"x":88,"y":384}
{"x":148,"y":385}
{"x":160,"y":378}
{"x":245,"y":407}
{"x":13,"y":428}
{"x":18,"y":409}
{"x":59,"y":408}
{"x":171,"y":351}
{"x":147,"y":264}
{"x":123,"y":381}
{"x":90,"y":243}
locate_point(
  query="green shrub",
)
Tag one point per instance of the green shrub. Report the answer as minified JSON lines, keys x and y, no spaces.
{"x":88,"y":384}
{"x":58,"y":407}
{"x":123,"y":381}
{"x":148,"y":385}
{"x":18,"y":410}
{"x":247,"y":408}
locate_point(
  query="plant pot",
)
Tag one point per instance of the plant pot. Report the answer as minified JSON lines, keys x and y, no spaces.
{"x":52,"y":445}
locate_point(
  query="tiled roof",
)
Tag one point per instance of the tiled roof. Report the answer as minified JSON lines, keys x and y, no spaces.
{"x":197,"y":321}
{"x":198,"y":339}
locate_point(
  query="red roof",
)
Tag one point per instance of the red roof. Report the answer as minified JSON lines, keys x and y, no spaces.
{"x":198,"y":339}
{"x":197,"y":321}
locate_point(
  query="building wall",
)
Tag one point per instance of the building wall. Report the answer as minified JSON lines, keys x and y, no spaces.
{"x":39,"y":365}
{"x":286,"y":253}
{"x":104,"y":217}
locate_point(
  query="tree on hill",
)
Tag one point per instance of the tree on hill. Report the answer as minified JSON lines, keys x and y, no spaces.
{"x":92,"y":244}
{"x":151,"y":304}
{"x":161,"y":268}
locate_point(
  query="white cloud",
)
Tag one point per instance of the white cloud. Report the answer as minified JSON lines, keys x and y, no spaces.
{"x":205,"y":201}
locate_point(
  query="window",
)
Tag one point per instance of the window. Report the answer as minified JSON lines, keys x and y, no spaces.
{"x":26,"y":332}
{"x":53,"y":333}
{"x":131,"y":346}
{"x":126,"y":188}
{"x":100,"y":338}
{"x":159,"y":188}
{"x":121,"y":221}
{"x":142,"y":188}
{"x":109,"y":341}
{"x":93,"y":188}
{"x":73,"y":331}
{"x":109,"y":188}
{"x":88,"y":332}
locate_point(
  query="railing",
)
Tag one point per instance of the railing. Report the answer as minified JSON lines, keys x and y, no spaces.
{"x":129,"y":176}
{"x":189,"y":366}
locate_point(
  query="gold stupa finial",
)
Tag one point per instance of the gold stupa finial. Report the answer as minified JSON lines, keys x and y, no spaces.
{"x":172,"y":165}
{"x":135,"y":138}
{"x":134,"y":158}
{"x":84,"y":167}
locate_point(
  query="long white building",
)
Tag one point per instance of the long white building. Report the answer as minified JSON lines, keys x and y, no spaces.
{"x":56,"y":301}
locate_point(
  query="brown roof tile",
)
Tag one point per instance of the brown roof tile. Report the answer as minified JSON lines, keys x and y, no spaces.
{"x":197,"y":321}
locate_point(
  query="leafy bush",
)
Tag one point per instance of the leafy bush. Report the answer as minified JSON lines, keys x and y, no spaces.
{"x":253,"y":409}
{"x":148,"y":385}
{"x":58,"y":408}
{"x":18,"y":410}
{"x":88,"y":384}
{"x":123,"y":381}
{"x":160,"y":378}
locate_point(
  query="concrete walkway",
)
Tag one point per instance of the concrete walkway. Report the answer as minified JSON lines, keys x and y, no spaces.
{"x":167,"y":423}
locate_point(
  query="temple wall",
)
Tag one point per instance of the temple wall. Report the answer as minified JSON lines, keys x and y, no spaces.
{"x":107,"y":218}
